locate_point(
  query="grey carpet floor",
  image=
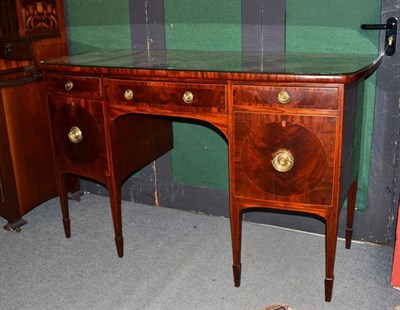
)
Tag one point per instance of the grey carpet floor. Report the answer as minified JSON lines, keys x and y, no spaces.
{"x":178,"y":260}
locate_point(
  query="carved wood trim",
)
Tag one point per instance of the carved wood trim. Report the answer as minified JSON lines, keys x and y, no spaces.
{"x":38,"y":17}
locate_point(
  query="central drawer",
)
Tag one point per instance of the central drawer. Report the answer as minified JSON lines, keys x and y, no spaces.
{"x":190,"y":97}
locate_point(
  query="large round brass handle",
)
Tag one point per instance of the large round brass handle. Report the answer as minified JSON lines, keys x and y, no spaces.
{"x":283,"y":97}
{"x":128,"y":94}
{"x":283,"y":161}
{"x":188,"y":97}
{"x":69,"y":85}
{"x":75,"y":135}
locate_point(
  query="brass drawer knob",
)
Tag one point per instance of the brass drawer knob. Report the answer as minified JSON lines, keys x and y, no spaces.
{"x":283,"y":97}
{"x":283,"y":161}
{"x":128,"y":94}
{"x":75,"y":135}
{"x":69,"y":85}
{"x":188,"y":97}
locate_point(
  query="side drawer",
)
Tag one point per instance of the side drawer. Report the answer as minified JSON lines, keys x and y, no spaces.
{"x":167,"y":96}
{"x":87,"y":87}
{"x":285,"y":97}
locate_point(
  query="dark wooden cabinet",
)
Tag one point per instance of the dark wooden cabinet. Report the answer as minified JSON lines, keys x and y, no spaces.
{"x":32,"y":29}
{"x":26,"y":169}
{"x":29,"y":31}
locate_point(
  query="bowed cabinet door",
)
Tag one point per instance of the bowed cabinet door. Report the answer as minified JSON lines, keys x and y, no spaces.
{"x":78,"y":136}
{"x":284,"y":158}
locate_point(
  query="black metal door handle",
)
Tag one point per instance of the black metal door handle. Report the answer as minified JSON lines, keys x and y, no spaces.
{"x":391,"y":33}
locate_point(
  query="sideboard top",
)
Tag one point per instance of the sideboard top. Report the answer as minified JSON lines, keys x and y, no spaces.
{"x":255,"y":65}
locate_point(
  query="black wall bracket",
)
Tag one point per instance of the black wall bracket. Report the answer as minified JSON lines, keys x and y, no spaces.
{"x":391,"y":33}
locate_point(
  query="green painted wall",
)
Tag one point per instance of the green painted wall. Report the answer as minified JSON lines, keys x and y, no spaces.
{"x":203,"y":25}
{"x":200,"y":156}
{"x":98,"y":24}
{"x":325,"y":26}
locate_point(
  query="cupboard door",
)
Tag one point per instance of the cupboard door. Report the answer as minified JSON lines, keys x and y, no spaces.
{"x":287,"y":158}
{"x":78,"y":135}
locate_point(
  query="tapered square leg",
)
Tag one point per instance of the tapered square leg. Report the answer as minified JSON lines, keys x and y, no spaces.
{"x":63,"y":191}
{"x":330,"y":252}
{"x":328,"y":289}
{"x":236,"y":234}
{"x":67,"y":227}
{"x":115,"y":202}
{"x":119,"y":243}
{"x":351,"y":206}
{"x":237,"y":269}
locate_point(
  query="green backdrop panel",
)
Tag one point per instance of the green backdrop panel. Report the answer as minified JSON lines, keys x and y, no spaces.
{"x":325,"y":26}
{"x":200,"y":154}
{"x":203,"y":25}
{"x":98,"y":25}
{"x":200,"y":150}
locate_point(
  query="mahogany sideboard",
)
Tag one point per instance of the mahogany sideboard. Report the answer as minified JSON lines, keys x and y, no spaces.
{"x":289,"y":119}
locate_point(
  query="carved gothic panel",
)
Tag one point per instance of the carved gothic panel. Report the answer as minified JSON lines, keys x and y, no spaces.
{"x":40,"y":15}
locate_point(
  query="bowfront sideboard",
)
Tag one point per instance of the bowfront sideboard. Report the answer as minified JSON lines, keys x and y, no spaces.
{"x":290,"y":121}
